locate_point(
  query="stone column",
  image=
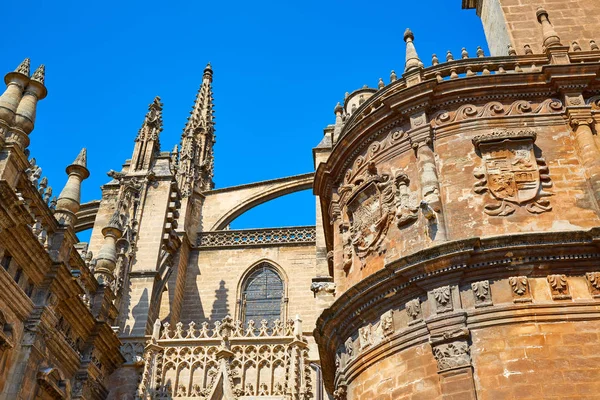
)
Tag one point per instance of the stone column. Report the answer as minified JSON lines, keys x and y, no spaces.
{"x":581,"y":121}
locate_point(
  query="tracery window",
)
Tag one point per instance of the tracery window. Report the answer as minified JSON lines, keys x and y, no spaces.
{"x":262,"y":295}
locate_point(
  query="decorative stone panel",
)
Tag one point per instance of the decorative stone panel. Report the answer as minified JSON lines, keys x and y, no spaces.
{"x":520,"y":289}
{"x":482,"y":293}
{"x":413,"y":310}
{"x":559,"y":286}
{"x":443,"y":299}
{"x":593,"y":280}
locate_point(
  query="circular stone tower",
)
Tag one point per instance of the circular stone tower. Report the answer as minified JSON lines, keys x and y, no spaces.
{"x":461,"y":209}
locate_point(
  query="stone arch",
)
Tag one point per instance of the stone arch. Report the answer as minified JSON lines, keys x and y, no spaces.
{"x":247,"y":197}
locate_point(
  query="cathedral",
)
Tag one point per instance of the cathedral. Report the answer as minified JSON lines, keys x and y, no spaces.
{"x":455,"y":253}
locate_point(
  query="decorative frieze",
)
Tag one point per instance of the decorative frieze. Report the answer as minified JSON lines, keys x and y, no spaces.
{"x":497,"y":109}
{"x":520,"y":289}
{"x":559,"y":286}
{"x":593,"y":280}
{"x":364,"y":337}
{"x":443,"y":299}
{"x":482,"y":293}
{"x":511,"y":173}
{"x":257,"y":237}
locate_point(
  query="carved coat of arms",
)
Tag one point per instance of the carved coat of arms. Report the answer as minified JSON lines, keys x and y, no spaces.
{"x":511,"y":173}
{"x":372,"y":202}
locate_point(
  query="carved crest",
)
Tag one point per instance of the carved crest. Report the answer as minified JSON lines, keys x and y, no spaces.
{"x":511,"y":172}
{"x":372,"y":202}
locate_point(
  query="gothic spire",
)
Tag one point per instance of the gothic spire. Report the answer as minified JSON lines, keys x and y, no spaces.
{"x":412,"y":59}
{"x":147,"y":140}
{"x":201,"y":116}
{"x":195,"y":168}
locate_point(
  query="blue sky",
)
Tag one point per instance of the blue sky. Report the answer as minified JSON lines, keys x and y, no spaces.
{"x":279,"y":69}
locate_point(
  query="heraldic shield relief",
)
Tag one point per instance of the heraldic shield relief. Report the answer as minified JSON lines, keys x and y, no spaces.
{"x":511,"y":172}
{"x":372,"y":202}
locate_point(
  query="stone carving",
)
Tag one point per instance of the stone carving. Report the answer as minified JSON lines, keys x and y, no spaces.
{"x":188,"y":363}
{"x":593,"y":279}
{"x":340,"y":393}
{"x":520,"y":289}
{"x":497,"y":109}
{"x":260,"y":237}
{"x":443,"y":299}
{"x":349,"y":345}
{"x":364,"y":336}
{"x":559,"y":286}
{"x":372,"y":202}
{"x":511,"y":173}
{"x":452,"y":355}
{"x":325,"y":287}
{"x":482,"y":293}
{"x":413,"y":309}
{"x":386,"y":323}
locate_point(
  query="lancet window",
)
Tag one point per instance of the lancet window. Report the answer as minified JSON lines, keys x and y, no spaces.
{"x":262,"y":295}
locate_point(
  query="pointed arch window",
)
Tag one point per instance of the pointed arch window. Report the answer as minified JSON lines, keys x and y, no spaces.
{"x":263,"y":295}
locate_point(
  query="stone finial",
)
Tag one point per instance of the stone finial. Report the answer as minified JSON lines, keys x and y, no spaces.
{"x":393,"y":76}
{"x":527,"y":49}
{"x":480,"y":52}
{"x":593,"y":45}
{"x":107,"y":256}
{"x":208,"y":71}
{"x":412,"y":59}
{"x":23,"y":68}
{"x":576,"y":46}
{"x":16,"y":81}
{"x":551,"y":38}
{"x":511,"y":50}
{"x":69,"y":199}
{"x":449,"y":56}
{"x":81,"y":158}
{"x":380,"y":84}
{"x":40,"y":74}
{"x":26,"y":110}
{"x":338,"y":109}
{"x":464,"y":54}
{"x":434,"y":60}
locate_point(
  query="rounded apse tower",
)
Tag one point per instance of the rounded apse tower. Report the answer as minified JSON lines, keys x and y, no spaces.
{"x":461,"y":212}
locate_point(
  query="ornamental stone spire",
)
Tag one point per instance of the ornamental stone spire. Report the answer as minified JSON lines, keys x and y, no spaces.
{"x":551,"y":38}
{"x":412,"y":59}
{"x":196,"y":156}
{"x":70,"y":197}
{"x":147,"y":142}
{"x":25,"y":113}
{"x":16,"y":81}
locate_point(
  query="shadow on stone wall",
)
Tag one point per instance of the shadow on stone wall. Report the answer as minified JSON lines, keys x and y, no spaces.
{"x":220,"y":307}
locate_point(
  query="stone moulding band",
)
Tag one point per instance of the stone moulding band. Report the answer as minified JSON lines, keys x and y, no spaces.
{"x":257,"y":237}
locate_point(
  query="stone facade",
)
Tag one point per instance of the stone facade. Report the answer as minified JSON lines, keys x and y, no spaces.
{"x":460,"y":204}
{"x":454,"y":253}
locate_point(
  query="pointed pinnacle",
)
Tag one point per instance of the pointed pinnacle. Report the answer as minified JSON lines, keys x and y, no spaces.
{"x":412,"y":59}
{"x":115,"y":221}
{"x":40,"y":74}
{"x":23,"y":68}
{"x":81,"y":158}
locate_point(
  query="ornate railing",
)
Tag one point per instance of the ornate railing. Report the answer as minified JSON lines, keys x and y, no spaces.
{"x":257,"y":237}
{"x":195,"y":362}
